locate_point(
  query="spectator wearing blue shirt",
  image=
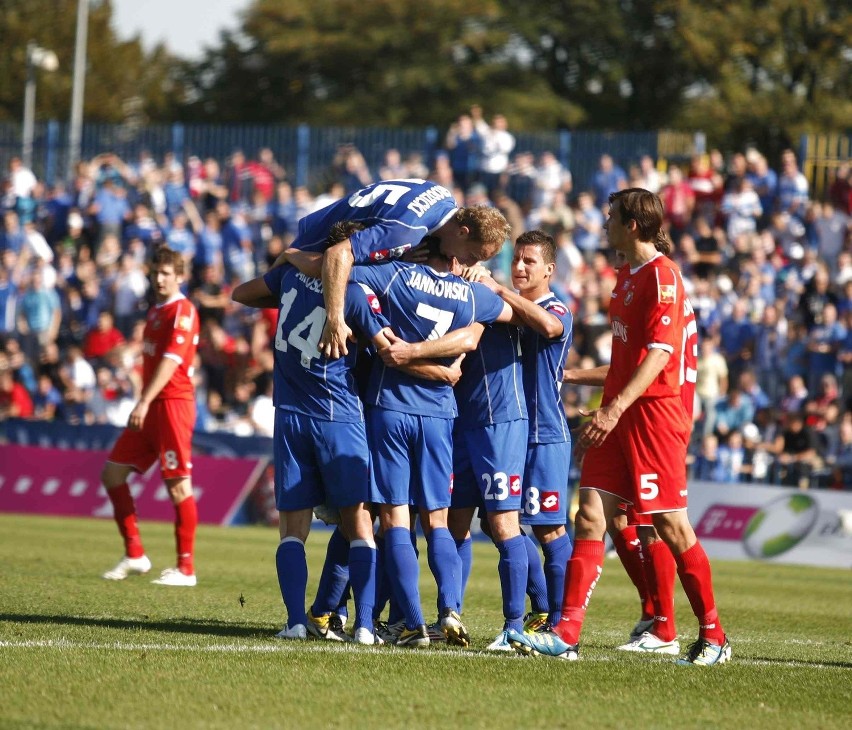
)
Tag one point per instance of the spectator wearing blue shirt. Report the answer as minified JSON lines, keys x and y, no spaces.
{"x":464,"y":145}
{"x":733,"y":412}
{"x":12,"y":236}
{"x":824,"y":342}
{"x":588,"y":226}
{"x":609,"y":178}
{"x":110,"y":208}
{"x":765,"y":182}
{"x":39,"y":315}
{"x":737,"y":337}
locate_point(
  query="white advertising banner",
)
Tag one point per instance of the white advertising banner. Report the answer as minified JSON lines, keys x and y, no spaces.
{"x":777,"y":524}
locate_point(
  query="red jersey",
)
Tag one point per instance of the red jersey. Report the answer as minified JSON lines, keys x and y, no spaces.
{"x":689,"y":357}
{"x":171,"y":331}
{"x":648,"y":310}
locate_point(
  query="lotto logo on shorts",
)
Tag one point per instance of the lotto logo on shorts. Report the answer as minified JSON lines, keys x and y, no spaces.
{"x":452,"y":479}
{"x":514,"y":485}
{"x":550,"y":501}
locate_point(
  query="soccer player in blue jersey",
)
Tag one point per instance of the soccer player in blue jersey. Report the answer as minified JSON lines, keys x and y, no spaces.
{"x":547,"y":334}
{"x":409,"y":425}
{"x":396,"y":215}
{"x":489,"y":450}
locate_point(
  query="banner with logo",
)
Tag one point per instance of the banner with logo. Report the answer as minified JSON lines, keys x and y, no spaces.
{"x":777,"y":524}
{"x":49,"y":481}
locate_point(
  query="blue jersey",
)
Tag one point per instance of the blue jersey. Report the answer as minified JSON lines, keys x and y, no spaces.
{"x":397,"y":213}
{"x":544,"y":361}
{"x":421,"y":304}
{"x":304,"y":380}
{"x":491,"y":388}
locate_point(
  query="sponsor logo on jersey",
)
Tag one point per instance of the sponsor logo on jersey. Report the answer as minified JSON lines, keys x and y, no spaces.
{"x":557,"y":308}
{"x":550,"y":501}
{"x":184,"y":322}
{"x":390,"y":253}
{"x":619,"y":330}
{"x":514,"y":484}
{"x":180,"y":339}
{"x":372,"y":299}
{"x":149,"y":348}
{"x":666,"y":293}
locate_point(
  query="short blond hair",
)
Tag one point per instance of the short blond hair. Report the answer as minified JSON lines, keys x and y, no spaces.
{"x":487,"y":225}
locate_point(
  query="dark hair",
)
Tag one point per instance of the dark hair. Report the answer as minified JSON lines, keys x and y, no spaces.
{"x":341,"y":230}
{"x":545,"y":243}
{"x":646,"y":209}
{"x":164,"y":256}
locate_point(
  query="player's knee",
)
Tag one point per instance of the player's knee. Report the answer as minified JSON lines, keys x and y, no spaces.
{"x":113,"y":475}
{"x":589,"y":524}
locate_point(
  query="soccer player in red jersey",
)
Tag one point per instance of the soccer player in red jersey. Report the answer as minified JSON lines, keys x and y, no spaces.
{"x":634,"y":445}
{"x":160,"y":426}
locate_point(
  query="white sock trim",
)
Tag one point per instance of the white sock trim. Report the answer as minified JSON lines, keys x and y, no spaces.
{"x":363,"y":543}
{"x":291,"y":539}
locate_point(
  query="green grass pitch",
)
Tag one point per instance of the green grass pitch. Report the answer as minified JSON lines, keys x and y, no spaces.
{"x":79,"y":652}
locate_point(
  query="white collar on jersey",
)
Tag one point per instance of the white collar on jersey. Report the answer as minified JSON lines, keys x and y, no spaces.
{"x":444,"y":220}
{"x":543,"y":297}
{"x":633,"y":271}
{"x":174,"y":299}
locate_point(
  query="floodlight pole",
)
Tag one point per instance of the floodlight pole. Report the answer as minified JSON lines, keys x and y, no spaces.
{"x":27,"y":133}
{"x":75,"y":130}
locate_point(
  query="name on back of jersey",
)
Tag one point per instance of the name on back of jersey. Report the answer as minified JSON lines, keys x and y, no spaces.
{"x":445,"y":288}
{"x":315,"y":285}
{"x":427,"y":199}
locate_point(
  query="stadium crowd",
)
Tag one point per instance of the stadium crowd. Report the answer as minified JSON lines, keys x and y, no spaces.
{"x":768,"y":269}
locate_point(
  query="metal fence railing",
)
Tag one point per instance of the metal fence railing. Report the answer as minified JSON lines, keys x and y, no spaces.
{"x":306,"y":151}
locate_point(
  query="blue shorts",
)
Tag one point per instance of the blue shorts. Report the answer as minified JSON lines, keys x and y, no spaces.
{"x":488,"y":466}
{"x":318,"y":461}
{"x":412,"y":458}
{"x":546,"y":484}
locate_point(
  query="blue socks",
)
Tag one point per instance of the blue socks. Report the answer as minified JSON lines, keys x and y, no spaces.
{"x":556,"y":555}
{"x":334,"y":576}
{"x":404,"y":572}
{"x":292,"y":568}
{"x":446,"y":566}
{"x":512,"y":568}
{"x":362,"y":574}
{"x":464,"y":548}
{"x":536,"y":583}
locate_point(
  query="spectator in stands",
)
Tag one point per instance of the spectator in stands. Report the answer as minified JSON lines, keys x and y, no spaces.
{"x":733,"y":412}
{"x":792,"y":187}
{"x":737,"y":334}
{"x":797,"y":451}
{"x":39,"y":315}
{"x":707,"y":186}
{"x":741,"y":208}
{"x":15,"y":401}
{"x":393,"y":168}
{"x":711,"y":381}
{"x":588,"y":225}
{"x":731,"y":459}
{"x":464,"y":145}
{"x":706,"y":464}
{"x":796,"y":395}
{"x":104,"y":337}
{"x":608,"y":178}
{"x":679,"y":203}
{"x":551,"y":177}
{"x":824,"y":342}
{"x":840,"y":190}
{"x":650,"y":178}
{"x":497,"y":145}
{"x":13,"y":236}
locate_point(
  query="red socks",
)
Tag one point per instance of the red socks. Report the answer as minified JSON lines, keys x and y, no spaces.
{"x":186,"y":519}
{"x":693,"y":568}
{"x":581,"y":577}
{"x":124,"y":511}
{"x":629,"y":549}
{"x":660,"y":569}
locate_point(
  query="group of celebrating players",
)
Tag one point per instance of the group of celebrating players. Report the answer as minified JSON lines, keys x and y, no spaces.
{"x":408,"y":382}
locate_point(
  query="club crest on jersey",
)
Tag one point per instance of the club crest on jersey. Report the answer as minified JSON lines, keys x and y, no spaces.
{"x":550,"y":501}
{"x":629,"y":297}
{"x":389,"y":253}
{"x":184,"y":323}
{"x":666,"y":293}
{"x":514,"y":484}
{"x":619,"y":330}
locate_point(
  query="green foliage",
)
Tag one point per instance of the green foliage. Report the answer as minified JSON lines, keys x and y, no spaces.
{"x":122,"y":81}
{"x":77,"y":651}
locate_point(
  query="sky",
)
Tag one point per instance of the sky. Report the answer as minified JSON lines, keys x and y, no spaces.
{"x":185,"y":26}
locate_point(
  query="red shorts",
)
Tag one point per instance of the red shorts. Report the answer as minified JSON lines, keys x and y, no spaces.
{"x":634,"y":519}
{"x":643,"y":460}
{"x":166,"y":434}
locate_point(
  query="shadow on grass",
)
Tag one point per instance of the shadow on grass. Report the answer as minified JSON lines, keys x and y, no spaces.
{"x":178,"y":626}
{"x":806,"y":662}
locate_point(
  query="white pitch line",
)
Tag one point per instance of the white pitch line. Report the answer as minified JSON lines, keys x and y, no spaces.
{"x":316,"y":647}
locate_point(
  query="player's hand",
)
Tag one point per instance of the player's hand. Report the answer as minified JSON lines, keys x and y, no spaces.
{"x":594,"y":431}
{"x":416,"y":255}
{"x":399,"y":352}
{"x":454,"y":371}
{"x":332,"y":344}
{"x":477,"y":272}
{"x":137,"y":416}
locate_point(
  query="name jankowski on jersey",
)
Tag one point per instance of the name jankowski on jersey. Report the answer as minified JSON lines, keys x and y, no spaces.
{"x":427,"y":199}
{"x":439,"y":288}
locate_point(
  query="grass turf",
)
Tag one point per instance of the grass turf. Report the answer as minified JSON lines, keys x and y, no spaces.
{"x":77,"y":651}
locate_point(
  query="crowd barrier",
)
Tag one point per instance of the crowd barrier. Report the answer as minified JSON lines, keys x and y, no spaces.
{"x":54,"y":468}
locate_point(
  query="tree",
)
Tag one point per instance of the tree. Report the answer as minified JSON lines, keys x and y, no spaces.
{"x":398,"y":62}
{"x":117,"y":71}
